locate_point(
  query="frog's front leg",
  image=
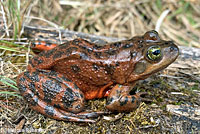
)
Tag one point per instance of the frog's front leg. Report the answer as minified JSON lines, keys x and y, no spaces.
{"x":54,"y":95}
{"x":119,"y":99}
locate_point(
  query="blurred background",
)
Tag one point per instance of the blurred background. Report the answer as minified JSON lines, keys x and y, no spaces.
{"x":177,"y":20}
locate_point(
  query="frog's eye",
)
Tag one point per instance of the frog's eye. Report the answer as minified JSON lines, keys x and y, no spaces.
{"x":154,"y":53}
{"x":151,"y":36}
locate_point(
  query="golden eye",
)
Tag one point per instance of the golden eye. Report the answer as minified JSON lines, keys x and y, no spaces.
{"x":154,"y":53}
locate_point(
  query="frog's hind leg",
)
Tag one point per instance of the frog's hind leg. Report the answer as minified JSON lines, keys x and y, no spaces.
{"x":54,"y":95}
{"x":55,"y":113}
{"x":42,"y":45}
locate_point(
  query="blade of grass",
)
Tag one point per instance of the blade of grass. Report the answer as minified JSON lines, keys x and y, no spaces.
{"x":181,"y":9}
{"x":8,"y":48}
{"x":10,"y":93}
{"x":8,"y":79}
{"x":11,"y":43}
{"x":8,"y":82}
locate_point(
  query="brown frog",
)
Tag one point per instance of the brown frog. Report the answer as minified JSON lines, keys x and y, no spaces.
{"x":58,"y":81}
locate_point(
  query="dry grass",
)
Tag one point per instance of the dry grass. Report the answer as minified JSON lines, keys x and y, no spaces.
{"x":175,"y":20}
{"x":126,"y":18}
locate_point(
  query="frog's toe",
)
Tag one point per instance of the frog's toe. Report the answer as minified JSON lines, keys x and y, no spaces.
{"x":92,"y":114}
{"x":86,"y":114}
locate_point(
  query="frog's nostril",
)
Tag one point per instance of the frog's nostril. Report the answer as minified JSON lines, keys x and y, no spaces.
{"x":173,"y":48}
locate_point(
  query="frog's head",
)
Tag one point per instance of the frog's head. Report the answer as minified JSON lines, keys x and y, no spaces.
{"x":154,"y":55}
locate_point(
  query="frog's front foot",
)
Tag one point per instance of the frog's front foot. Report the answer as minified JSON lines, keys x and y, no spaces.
{"x":119,"y":99}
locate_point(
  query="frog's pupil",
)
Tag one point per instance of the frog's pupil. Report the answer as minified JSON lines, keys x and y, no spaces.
{"x":157,"y":52}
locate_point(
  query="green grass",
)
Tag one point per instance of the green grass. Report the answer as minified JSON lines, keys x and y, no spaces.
{"x":14,"y":15}
{"x":181,"y":10}
{"x":12,"y":84}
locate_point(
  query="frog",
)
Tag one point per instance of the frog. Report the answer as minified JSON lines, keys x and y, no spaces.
{"x":58,"y":81}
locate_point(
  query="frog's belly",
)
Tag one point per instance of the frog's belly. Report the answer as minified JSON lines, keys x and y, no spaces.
{"x":92,"y":92}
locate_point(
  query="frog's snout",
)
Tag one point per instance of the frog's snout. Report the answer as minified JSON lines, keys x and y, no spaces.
{"x":171,"y":50}
{"x":174,"y":49}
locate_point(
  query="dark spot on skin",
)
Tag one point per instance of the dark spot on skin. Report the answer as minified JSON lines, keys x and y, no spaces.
{"x":84,"y":56}
{"x":40,"y":61}
{"x":31,"y":86}
{"x":37,"y":61}
{"x":110,"y":69}
{"x":33,"y":44}
{"x":84,"y":45}
{"x":59,"y":79}
{"x":133,"y":54}
{"x":117,"y":44}
{"x":117,"y":64}
{"x":133,"y":99}
{"x":98,"y":55}
{"x":118,"y":92}
{"x":75,"y":68}
{"x":28,"y":97}
{"x":123,"y":101}
{"x":57,"y":106}
{"x":68,"y":98}
{"x":95,"y":67}
{"x":53,"y":73}
{"x":50,"y":73}
{"x":109,"y":100}
{"x":140,"y":43}
{"x":75,"y":86}
{"x":111,"y":52}
{"x":48,"y":97}
{"x":66,"y":79}
{"x":33,"y":101}
{"x":41,"y":36}
{"x":31,"y":63}
{"x":48,"y":53}
{"x":48,"y":44}
{"x":27,"y":74}
{"x":34,"y":77}
{"x":49,"y":110}
{"x":58,"y":54}
{"x":76,"y":42}
{"x":89,"y":50}
{"x":81,"y":95}
{"x":101,"y":63}
{"x":50,"y":89}
{"x":97,"y":46}
{"x":70,"y":50}
{"x":22,"y":79}
{"x":78,"y":107}
{"x":22,"y":88}
{"x":128,"y":45}
{"x":64,"y":45}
